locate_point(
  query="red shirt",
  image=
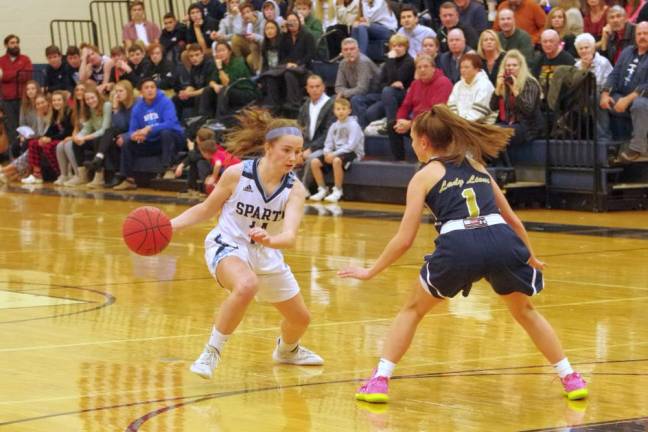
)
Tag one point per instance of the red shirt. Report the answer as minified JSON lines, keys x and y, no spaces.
{"x":595,"y":28}
{"x":422,"y":96}
{"x":15,"y":74}
{"x":225,"y":158}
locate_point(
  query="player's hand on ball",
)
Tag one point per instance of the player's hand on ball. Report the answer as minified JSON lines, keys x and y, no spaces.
{"x":536,"y":263}
{"x":260,"y":236}
{"x":355,"y":273}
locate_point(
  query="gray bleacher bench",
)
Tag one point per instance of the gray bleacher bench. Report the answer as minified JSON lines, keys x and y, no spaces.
{"x":377,"y":181}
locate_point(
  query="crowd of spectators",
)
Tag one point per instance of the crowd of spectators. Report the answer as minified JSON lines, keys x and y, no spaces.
{"x":96,"y":113}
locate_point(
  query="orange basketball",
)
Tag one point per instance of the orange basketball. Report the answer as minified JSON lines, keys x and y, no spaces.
{"x":147,"y":230}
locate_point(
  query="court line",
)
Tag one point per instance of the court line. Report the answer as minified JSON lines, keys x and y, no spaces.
{"x":592,"y":427}
{"x":110,"y":299}
{"x":355,"y":213}
{"x":316,"y":325}
{"x":186,"y":400}
{"x":29,"y":292}
{"x":533,"y":352}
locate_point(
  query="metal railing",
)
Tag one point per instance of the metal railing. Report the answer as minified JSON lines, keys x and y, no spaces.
{"x":574,"y":149}
{"x":156,"y":9}
{"x":65,"y":33}
{"x":180,"y":7}
{"x":107,"y":20}
{"x":110,"y":17}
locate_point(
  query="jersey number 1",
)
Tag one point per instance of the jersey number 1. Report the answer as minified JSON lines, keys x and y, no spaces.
{"x":471,"y":202}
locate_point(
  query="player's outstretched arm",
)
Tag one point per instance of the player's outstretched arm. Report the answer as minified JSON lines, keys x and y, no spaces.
{"x":214,"y":202}
{"x":294,"y":213}
{"x":402,"y":241}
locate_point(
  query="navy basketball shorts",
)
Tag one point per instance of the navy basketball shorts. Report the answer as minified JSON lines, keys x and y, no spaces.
{"x":463,"y":257}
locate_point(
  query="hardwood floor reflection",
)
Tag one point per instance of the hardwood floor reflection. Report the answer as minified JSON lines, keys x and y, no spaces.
{"x":93,"y":338}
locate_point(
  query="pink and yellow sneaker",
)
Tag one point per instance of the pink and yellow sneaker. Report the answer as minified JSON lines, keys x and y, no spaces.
{"x":374,"y":390}
{"x":575,"y":387}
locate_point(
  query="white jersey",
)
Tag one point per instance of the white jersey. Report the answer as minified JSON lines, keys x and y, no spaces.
{"x":249,"y":206}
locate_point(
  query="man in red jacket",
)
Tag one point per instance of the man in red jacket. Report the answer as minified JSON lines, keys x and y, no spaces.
{"x":429,"y":88}
{"x":15,"y":71}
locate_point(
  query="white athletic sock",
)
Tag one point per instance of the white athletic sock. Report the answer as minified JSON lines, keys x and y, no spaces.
{"x":217,"y":340}
{"x":563,"y":368}
{"x":385,"y":368}
{"x":285,"y":347}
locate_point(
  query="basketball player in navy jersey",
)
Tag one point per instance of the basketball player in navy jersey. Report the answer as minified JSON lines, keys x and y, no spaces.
{"x":261,"y":204}
{"x":479,"y":237}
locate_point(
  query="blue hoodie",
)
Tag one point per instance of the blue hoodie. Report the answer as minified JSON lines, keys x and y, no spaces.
{"x":160,"y":115}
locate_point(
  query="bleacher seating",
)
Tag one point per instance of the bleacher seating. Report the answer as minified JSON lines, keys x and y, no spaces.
{"x":574,"y":172}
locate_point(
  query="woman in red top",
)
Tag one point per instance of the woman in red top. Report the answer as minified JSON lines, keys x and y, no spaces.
{"x":429,"y":88}
{"x":594,"y":21}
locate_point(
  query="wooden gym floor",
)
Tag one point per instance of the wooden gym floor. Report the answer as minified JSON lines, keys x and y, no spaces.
{"x":93,"y":338}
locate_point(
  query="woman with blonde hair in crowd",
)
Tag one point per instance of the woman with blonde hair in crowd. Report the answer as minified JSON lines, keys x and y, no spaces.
{"x":491,"y":52}
{"x":108,"y":146}
{"x":574,"y":15}
{"x":59,"y":126}
{"x":77,"y":113}
{"x":517,"y":99}
{"x":28,"y":116}
{"x":95,"y":119}
{"x":558,"y":20}
{"x":346,"y":13}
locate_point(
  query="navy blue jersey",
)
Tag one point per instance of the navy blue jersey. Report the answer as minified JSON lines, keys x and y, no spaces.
{"x":462,"y":193}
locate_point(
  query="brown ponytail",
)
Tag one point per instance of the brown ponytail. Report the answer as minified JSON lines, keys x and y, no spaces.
{"x":248,"y":138}
{"x":459,"y":137}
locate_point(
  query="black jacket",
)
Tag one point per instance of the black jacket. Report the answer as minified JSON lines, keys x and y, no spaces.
{"x":324,"y":121}
{"x":398,"y":69}
{"x":300,"y":52}
{"x":164,"y":74}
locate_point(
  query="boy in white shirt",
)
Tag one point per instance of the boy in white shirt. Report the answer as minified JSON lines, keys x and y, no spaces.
{"x":344,"y":143}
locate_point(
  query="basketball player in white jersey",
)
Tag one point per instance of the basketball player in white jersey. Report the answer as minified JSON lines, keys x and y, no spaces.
{"x":261,"y":204}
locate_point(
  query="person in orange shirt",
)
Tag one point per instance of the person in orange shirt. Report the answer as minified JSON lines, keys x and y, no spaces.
{"x":529,"y":16}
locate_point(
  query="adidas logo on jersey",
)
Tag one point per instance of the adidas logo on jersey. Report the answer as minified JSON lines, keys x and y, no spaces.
{"x":248,"y":188}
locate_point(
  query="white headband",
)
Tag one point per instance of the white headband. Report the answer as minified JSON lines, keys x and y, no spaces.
{"x":280,"y":131}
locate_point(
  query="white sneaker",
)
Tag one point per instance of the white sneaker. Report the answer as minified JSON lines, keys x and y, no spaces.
{"x":206,"y":363}
{"x":334,"y":209}
{"x":298,"y":356}
{"x":60,"y":181}
{"x":334,"y":196}
{"x":75,"y":181}
{"x":31,"y":179}
{"x":320,"y":194}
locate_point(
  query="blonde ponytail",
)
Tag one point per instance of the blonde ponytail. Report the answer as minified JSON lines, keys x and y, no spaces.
{"x":248,"y":138}
{"x":458,"y":137}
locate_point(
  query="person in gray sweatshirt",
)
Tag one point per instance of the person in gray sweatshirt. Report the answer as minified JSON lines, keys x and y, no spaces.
{"x":357,"y":75}
{"x":247,"y":44}
{"x":344,"y":143}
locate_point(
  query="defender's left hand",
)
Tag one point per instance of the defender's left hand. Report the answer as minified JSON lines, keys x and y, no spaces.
{"x":355,"y":273}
